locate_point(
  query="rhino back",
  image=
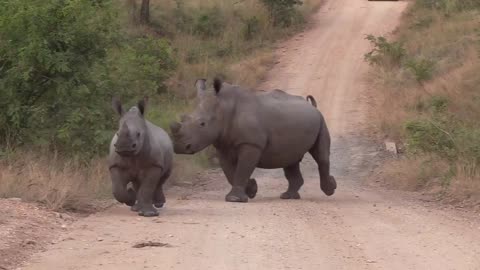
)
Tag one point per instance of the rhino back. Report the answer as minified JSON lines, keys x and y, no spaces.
{"x":293,"y":126}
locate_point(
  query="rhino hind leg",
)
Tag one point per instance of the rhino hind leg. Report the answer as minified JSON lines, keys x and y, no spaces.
{"x":159,"y":199}
{"x":136,"y":187}
{"x":146,"y":193}
{"x":251,"y":188}
{"x":321,"y":153}
{"x":295,"y":182}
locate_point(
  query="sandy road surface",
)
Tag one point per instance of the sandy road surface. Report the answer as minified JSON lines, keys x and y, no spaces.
{"x":358,"y":228}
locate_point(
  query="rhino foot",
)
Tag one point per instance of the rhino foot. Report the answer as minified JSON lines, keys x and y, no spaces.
{"x":236,"y":195}
{"x":135,"y":208}
{"x":252,"y":188}
{"x":329,"y":189}
{"x":158,"y":205}
{"x":131,"y":195}
{"x":290,"y":195}
{"x":149,"y":212}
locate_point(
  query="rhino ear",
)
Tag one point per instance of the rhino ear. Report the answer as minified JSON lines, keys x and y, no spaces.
{"x":117,"y":106}
{"x":201,"y":86}
{"x":217,"y":85}
{"x":142,"y":104}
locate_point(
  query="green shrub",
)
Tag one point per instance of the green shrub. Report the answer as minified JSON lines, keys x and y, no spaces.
{"x":251,"y":28}
{"x":448,"y":6}
{"x":427,"y":135}
{"x":390,"y":53}
{"x":61,"y":63}
{"x":209,"y":23}
{"x":422,"y":69}
{"x":438,"y":104}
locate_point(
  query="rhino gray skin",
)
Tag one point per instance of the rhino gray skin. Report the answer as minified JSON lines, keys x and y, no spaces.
{"x":256,"y":130}
{"x":140,"y":153}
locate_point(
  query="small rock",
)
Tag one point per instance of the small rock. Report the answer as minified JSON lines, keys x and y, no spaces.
{"x":99,"y":239}
{"x":64,"y":226}
{"x":374,"y":205}
{"x":370,"y":261}
{"x":15,"y":199}
{"x":391,"y":147}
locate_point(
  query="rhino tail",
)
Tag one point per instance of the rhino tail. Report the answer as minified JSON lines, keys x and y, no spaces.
{"x":312,"y":100}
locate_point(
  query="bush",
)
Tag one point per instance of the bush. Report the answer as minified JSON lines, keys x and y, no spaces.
{"x":61,"y":63}
{"x":251,"y":28}
{"x":209,"y":23}
{"x":389,"y":53}
{"x":422,"y":69}
{"x":431,"y":137}
{"x":448,"y":6}
{"x":282,"y":12}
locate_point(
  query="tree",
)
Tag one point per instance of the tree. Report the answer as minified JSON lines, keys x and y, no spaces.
{"x":145,"y":12}
{"x":142,"y":17}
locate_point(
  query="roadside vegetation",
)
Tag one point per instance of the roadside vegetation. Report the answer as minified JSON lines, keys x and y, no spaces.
{"x":62,"y":61}
{"x":427,"y":88}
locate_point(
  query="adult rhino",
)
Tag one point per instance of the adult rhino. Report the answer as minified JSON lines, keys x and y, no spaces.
{"x":256,"y":129}
{"x":140,"y":153}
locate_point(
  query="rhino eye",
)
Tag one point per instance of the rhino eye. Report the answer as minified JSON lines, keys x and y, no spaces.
{"x":202,"y":124}
{"x":138,"y":134}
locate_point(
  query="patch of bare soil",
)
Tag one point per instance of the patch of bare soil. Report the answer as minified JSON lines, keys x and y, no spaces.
{"x":26,"y":228}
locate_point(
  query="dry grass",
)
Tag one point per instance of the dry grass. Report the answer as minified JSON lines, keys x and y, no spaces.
{"x":412,"y":173}
{"x":56,"y":183}
{"x":451,"y":43}
{"x":70,"y":185}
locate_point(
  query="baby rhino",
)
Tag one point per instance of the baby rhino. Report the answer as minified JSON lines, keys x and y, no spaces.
{"x":142,"y":154}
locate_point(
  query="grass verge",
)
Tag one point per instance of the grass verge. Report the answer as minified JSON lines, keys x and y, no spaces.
{"x":426,"y":90}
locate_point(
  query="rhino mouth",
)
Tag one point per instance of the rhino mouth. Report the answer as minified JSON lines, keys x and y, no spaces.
{"x":183,"y":149}
{"x":125,"y":153}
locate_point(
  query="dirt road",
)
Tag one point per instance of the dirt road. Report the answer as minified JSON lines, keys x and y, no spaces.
{"x":357,"y":228}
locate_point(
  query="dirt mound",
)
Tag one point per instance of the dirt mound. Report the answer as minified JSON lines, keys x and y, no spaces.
{"x":26,"y":228}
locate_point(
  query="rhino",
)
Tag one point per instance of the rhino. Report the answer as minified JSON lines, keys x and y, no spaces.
{"x":256,"y":129}
{"x":141,"y":153}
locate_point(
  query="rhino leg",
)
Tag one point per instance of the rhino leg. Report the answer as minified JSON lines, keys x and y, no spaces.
{"x":136,"y":187}
{"x":120,"y":180}
{"x":252,"y":188}
{"x":159,"y":198}
{"x":248,"y":157}
{"x":321,"y":153}
{"x":227,"y":167}
{"x":295,"y":182}
{"x":147,"y":191}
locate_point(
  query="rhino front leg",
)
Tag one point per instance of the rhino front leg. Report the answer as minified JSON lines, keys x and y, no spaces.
{"x":147,"y":191}
{"x":248,"y":157}
{"x":120,"y":179}
{"x":295,"y":182}
{"x":229,"y":171}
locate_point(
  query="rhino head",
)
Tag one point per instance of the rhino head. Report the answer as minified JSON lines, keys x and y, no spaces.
{"x":132,"y":128}
{"x":203,"y":126}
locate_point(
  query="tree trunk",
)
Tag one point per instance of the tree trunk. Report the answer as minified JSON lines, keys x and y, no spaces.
{"x":132,"y":11}
{"x":145,"y":12}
